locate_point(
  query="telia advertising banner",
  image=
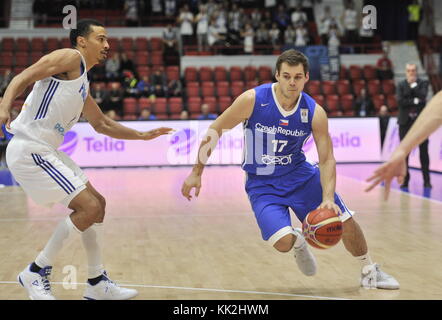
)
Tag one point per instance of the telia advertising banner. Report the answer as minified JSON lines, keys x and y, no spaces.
{"x":434,"y":147}
{"x":354,"y":140}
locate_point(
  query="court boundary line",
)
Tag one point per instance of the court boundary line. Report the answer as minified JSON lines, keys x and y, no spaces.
{"x":203,"y":289}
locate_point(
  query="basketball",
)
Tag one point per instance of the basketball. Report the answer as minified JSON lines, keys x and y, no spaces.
{"x":322,"y":228}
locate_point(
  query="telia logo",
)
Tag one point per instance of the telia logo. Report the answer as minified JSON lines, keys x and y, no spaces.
{"x":69,"y":143}
{"x":183,"y":141}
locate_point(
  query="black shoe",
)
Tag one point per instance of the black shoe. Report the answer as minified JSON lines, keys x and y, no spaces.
{"x":404,"y":186}
{"x":428,"y":185}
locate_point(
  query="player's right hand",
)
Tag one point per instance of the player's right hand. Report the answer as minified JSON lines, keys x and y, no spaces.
{"x":5,"y":118}
{"x":192,"y":181}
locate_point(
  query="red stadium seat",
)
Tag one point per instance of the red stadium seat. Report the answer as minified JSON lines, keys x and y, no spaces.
{"x":223,"y":88}
{"x":313,"y":87}
{"x":370,"y":72}
{"x":175,"y":105}
{"x":388,"y":87}
{"x":173,"y":73}
{"x":192,"y":89}
{"x":127,"y":44}
{"x":237,"y":88}
{"x":208,"y":89}
{"x":343,"y":87}
{"x":251,"y":84}
{"x":144,"y":103}
{"x":130,"y":106}
{"x":190,"y":74}
{"x":52,"y":44}
{"x":8,"y":44}
{"x":130,"y":117}
{"x":65,"y":43}
{"x":347,"y":101}
{"x":236,"y":73}
{"x":392,"y":102}
{"x":328,"y":87}
{"x":22,"y":59}
{"x":374,"y":87}
{"x":378,"y":101}
{"x":142,"y":58}
{"x":160,"y":106}
{"x":37,"y":44}
{"x":206,"y":74}
{"x":194,"y":104}
{"x":355,"y":72}
{"x":220,"y":73}
{"x":342,"y":73}
{"x":6,"y":59}
{"x":332,"y":102}
{"x":224,"y":103}
{"x":157,"y":58}
{"x":35,"y":56}
{"x":114,"y":44}
{"x":156,"y":44}
{"x":265,"y":74}
{"x":141,"y":44}
{"x":143,"y":71}
{"x":319,"y":98}
{"x":211,"y":102}
{"x":357,"y":86}
{"x":250,"y":73}
{"x":22,"y":44}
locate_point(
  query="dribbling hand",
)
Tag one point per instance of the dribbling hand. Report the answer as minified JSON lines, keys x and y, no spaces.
{"x":328,"y":204}
{"x":192,"y":181}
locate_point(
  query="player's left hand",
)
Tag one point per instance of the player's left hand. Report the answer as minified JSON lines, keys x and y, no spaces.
{"x":329,"y":204}
{"x":152,"y":134}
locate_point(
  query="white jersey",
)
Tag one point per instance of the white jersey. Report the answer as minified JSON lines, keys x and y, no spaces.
{"x":52,"y":108}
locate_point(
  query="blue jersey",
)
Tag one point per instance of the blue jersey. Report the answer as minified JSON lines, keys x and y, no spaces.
{"x":274,"y":137}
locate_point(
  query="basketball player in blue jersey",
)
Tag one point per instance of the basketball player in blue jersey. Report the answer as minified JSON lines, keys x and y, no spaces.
{"x":59,"y":96}
{"x":278,"y":119}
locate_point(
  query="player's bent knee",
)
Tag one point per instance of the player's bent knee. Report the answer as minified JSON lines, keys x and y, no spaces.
{"x":285,"y":244}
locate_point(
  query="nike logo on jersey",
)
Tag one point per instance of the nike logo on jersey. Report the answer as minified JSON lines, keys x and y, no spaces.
{"x":264,"y":104}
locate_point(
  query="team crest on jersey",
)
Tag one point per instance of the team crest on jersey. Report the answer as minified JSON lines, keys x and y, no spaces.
{"x":304,"y":115}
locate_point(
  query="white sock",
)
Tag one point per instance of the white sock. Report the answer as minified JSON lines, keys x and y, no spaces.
{"x":299,"y":241}
{"x":365,"y":260}
{"x":63,"y":234}
{"x":92,"y":244}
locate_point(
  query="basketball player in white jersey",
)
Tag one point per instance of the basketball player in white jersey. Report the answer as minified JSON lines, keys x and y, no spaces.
{"x":60,"y":95}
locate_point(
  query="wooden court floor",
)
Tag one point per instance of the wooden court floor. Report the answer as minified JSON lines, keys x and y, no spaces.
{"x":211,"y":248}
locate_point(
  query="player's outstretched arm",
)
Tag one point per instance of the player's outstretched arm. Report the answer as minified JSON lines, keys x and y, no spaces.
{"x":327,"y":162}
{"x":428,"y":121}
{"x":240,"y":110}
{"x":105,"y":125}
{"x":58,"y":61}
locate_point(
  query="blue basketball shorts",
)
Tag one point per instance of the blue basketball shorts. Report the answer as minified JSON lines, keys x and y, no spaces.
{"x":271,"y":198}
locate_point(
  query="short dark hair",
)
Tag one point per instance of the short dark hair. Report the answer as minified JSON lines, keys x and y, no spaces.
{"x":83,"y":29}
{"x":293,"y":58}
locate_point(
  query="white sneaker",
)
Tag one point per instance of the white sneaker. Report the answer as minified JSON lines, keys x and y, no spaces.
{"x":374,"y":278}
{"x":304,"y":258}
{"x":36,"y":283}
{"x":106,"y":289}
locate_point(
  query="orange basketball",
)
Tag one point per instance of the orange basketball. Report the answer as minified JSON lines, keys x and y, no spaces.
{"x":322,"y":228}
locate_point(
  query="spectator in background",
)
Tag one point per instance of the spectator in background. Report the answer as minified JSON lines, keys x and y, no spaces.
{"x":158,"y":78}
{"x":349,"y":20}
{"x":112,"y":68}
{"x":202,"y":28}
{"x":205,"y":113}
{"x":170,"y":8}
{"x":144,"y":88}
{"x":115,"y":98}
{"x":299,"y":16}
{"x":101,"y":96}
{"x":324,"y":25}
{"x":184,"y":115}
{"x":214,"y":37}
{"x":414,"y":18}
{"x":384,"y":118}
{"x":255,"y":18}
{"x":262,"y":36}
{"x":281,"y":18}
{"x":384,"y":67}
{"x":130,"y":84}
{"x":307,"y":7}
{"x":269,"y":5}
{"x":274,"y":36}
{"x":363,"y":106}
{"x":131,"y":10}
{"x":113,"y":115}
{"x":126,"y":64}
{"x":289,"y":35}
{"x":171,"y":55}
{"x":248,"y":35}
{"x":301,"y":36}
{"x":39,"y":11}
{"x":185,"y":20}
{"x":334,"y":35}
{"x":4,"y":80}
{"x":146,"y":114}
{"x":221,"y":18}
{"x":267,"y":19}
{"x":174,"y":88}
{"x":235,"y":20}
{"x":412,"y":98}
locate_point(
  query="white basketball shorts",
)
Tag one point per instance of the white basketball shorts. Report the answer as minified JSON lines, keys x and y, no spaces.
{"x":46,"y":175}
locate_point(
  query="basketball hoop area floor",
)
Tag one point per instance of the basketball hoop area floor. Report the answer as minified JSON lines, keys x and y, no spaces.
{"x":210,"y":248}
